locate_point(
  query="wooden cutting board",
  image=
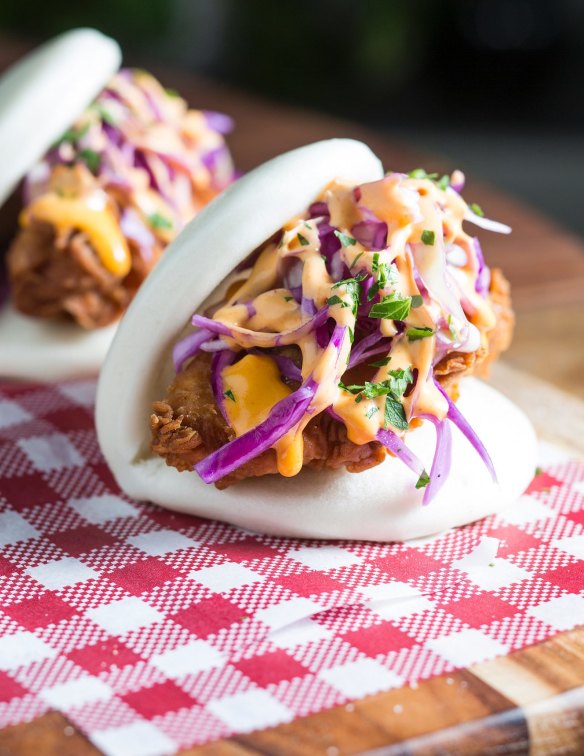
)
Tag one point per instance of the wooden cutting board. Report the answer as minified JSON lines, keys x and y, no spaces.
{"x":531,"y":700}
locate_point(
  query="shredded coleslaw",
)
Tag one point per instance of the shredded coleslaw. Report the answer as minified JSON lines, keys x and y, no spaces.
{"x":155,"y":162}
{"x":356,"y":301}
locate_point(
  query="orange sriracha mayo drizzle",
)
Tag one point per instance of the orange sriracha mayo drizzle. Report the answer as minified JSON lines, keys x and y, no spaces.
{"x":423,"y":222}
{"x":163,"y":192}
{"x":92,"y":215}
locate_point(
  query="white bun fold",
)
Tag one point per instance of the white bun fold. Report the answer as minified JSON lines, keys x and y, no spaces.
{"x":379,"y":504}
{"x":45,"y":92}
{"x":36,"y":349}
{"x":40,"y":97}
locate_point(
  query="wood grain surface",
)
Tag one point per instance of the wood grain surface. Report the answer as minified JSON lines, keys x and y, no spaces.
{"x":532,"y":700}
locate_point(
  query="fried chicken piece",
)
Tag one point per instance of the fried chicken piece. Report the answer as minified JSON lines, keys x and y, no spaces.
{"x":56,"y":273}
{"x":187,"y":425}
{"x":59,"y":275}
{"x":454,"y":366}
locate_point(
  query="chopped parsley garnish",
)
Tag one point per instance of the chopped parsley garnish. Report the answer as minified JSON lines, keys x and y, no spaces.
{"x":323,"y":258}
{"x":538,"y":471}
{"x":288,"y":299}
{"x":428,"y":237}
{"x":383,"y":273}
{"x":336,"y":300}
{"x":307,"y":225}
{"x":345,"y":239}
{"x":392,"y":307}
{"x":477,"y":210}
{"x":380,"y":363}
{"x":171,"y":92}
{"x":371,"y":411}
{"x":302,"y":239}
{"x":91,"y":158}
{"x":452,"y":329}
{"x":394,"y":414}
{"x":423,"y":480}
{"x":419,"y":332}
{"x":157,"y":220}
{"x":105,"y":114}
{"x":393,"y":388}
{"x":420,"y":173}
{"x":417,"y":301}
{"x":444,"y":182}
{"x":353,"y":286}
{"x":72,"y":135}
{"x":352,"y":265}
{"x":353,"y":388}
{"x":229,"y":394}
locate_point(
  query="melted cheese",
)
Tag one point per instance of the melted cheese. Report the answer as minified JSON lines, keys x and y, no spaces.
{"x":90,"y":215}
{"x":256,"y":386}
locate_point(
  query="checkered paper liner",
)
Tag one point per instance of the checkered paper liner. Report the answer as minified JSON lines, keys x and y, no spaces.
{"x":153,"y":631}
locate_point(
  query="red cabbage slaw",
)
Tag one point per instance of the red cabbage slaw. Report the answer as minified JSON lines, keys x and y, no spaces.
{"x":158,"y":160}
{"x":359,"y":281}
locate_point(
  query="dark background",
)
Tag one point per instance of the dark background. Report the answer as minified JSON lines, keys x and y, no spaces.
{"x":493,"y":86}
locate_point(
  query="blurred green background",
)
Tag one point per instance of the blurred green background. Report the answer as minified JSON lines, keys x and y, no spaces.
{"x":492,"y":85}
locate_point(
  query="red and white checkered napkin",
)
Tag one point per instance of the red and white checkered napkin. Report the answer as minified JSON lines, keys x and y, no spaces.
{"x":154,"y":631}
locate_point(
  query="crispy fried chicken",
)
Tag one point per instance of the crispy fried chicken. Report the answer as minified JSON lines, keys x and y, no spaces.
{"x":187,"y":425}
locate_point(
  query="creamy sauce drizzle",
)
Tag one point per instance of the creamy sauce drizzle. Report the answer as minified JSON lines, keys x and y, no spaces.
{"x":91,"y":214}
{"x":423,"y":223}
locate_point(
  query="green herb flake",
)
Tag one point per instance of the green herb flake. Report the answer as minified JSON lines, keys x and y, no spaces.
{"x":106,"y":115}
{"x":159,"y":221}
{"x":394,"y":414}
{"x":452,"y":329}
{"x":417,"y":301}
{"x":371,"y":411}
{"x":423,"y":480}
{"x":307,"y":225}
{"x":417,"y":333}
{"x":392,"y":274}
{"x":323,"y":258}
{"x":352,"y":265}
{"x":334,"y":300}
{"x":392,"y":307}
{"x":302,"y":239}
{"x":477,"y":210}
{"x":380,"y":363}
{"x":444,"y":182}
{"x":428,"y":237}
{"x":420,"y":173}
{"x":72,"y":135}
{"x":393,"y":389}
{"x":352,"y":389}
{"x":538,"y":471}
{"x":345,"y":239}
{"x":229,"y":395}
{"x":288,"y":299}
{"x":91,"y":158}
{"x":353,"y":287}
{"x":171,"y":92}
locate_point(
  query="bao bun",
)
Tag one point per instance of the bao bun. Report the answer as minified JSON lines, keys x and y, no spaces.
{"x":379,"y":504}
{"x":40,"y":97}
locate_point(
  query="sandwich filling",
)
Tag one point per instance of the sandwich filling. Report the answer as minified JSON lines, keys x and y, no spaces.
{"x":106,"y":200}
{"x":348,"y":328}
